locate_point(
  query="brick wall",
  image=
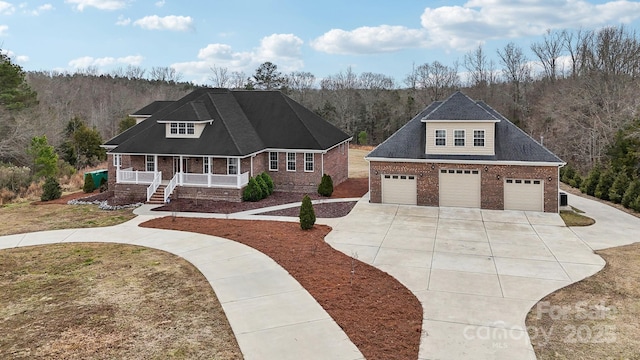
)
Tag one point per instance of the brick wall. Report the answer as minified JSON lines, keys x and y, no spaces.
{"x":130,"y":193}
{"x":187,"y":192}
{"x":492,"y":188}
{"x":336,"y":163}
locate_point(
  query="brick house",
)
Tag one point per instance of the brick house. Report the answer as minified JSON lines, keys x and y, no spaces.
{"x":209,"y":143}
{"x":462,"y":153}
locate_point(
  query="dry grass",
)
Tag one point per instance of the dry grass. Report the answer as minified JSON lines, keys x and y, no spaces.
{"x":358,"y":167}
{"x":574,"y":218}
{"x":24,"y":217}
{"x":108,"y":301}
{"x":596,"y":318}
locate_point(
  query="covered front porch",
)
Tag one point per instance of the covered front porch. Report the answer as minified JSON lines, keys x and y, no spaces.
{"x":165,"y":173}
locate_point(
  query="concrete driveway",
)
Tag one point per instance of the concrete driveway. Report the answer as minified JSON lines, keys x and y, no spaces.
{"x":477,"y":272}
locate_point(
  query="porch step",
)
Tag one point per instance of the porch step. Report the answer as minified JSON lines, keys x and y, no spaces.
{"x":158,"y":197}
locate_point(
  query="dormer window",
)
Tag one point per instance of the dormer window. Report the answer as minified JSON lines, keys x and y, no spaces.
{"x":441,"y":137}
{"x":182,"y":128}
{"x":458,"y":137}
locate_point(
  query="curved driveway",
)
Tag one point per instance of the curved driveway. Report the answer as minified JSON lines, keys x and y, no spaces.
{"x":271,"y":314}
{"x":478,"y":272}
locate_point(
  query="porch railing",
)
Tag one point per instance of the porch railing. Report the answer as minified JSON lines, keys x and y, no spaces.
{"x":135,"y":177}
{"x":170,"y":187}
{"x":154,"y":185}
{"x":215,"y":180}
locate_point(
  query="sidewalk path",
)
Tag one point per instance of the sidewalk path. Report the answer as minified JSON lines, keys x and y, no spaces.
{"x":271,"y":314}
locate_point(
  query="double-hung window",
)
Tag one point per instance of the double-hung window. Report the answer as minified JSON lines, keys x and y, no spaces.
{"x":117,"y":160}
{"x":458,"y":137}
{"x":232,"y":166}
{"x":308,"y":162}
{"x":151,"y":164}
{"x":478,"y":138}
{"x":191,"y":129}
{"x":291,"y":161}
{"x":273,"y":161}
{"x":182,"y":128}
{"x":441,"y":137}
{"x":205,"y":165}
{"x":174,"y":128}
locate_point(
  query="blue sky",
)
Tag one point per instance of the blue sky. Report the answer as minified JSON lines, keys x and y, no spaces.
{"x":321,"y":37}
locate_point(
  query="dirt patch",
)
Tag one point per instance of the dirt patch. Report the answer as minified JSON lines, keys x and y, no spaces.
{"x":65,"y":198}
{"x":351,"y":188}
{"x":108,"y":301}
{"x":596,"y":318}
{"x":329,"y":210}
{"x":380,"y":316}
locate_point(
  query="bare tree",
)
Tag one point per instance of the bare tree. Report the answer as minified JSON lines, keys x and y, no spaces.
{"x":517,"y":73}
{"x":238,"y":80}
{"x":436,"y":80}
{"x":300,"y":82}
{"x":165,"y":73}
{"x":548,"y":51}
{"x":220,"y":77}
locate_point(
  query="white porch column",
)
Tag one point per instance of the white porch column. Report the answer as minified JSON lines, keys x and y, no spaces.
{"x":209,"y":170}
{"x":155,"y":164}
{"x":181,"y":171}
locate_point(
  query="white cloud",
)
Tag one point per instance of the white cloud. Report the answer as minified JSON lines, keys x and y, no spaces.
{"x":80,"y":5}
{"x":160,"y":3}
{"x":463,"y":27}
{"x":369,"y":40}
{"x":6,"y":8}
{"x":88,"y":61}
{"x":10,"y":54}
{"x":171,"y":22}
{"x":3,"y":30}
{"x":284,"y":50}
{"x":122,"y":21}
{"x":22,"y":58}
{"x":40,"y":9}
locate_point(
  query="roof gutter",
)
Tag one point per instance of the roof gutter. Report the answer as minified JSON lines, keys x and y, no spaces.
{"x":470,"y":162}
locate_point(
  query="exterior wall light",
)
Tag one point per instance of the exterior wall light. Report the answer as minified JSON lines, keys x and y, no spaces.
{"x":498,"y":177}
{"x":486,"y":168}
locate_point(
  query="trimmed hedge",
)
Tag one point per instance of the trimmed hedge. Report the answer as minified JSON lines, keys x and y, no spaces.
{"x":307,"y":214}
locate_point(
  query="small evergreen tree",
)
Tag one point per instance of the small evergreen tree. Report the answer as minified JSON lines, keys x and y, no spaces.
{"x":264,"y":189}
{"x":567,"y":173}
{"x":104,"y":185}
{"x":362,"y":138}
{"x":576,"y":181}
{"x":252,"y":192}
{"x":632,"y":192}
{"x":307,"y":214}
{"x":326,"y":186}
{"x":604,"y":184}
{"x":589,"y":184}
{"x":89,"y":185}
{"x":51,"y":189}
{"x":635,"y":204}
{"x":267,"y":179}
{"x":620,"y":185}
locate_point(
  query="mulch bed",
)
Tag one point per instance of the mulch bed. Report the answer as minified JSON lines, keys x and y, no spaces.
{"x":328,"y":210}
{"x":63,"y":199}
{"x":356,"y":187}
{"x":380,"y":316}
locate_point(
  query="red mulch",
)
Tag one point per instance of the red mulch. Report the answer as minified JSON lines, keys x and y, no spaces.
{"x":347,"y":189}
{"x":380,"y":316}
{"x":329,"y":210}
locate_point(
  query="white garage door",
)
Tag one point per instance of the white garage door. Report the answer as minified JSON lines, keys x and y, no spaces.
{"x":460,"y":188}
{"x":399,"y":189}
{"x":524,"y":194}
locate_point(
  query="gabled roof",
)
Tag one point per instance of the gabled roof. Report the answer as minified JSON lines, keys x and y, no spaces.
{"x":241,"y":123}
{"x":511,"y":143}
{"x":460,"y":107}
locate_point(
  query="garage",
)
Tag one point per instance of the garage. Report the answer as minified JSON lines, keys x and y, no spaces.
{"x":459,"y":188}
{"x":399,"y":189}
{"x":524,"y":194}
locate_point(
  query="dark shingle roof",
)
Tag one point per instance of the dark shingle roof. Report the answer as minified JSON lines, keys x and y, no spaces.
{"x":511,"y":143}
{"x":244,"y":122}
{"x":152,"y":108}
{"x":459,"y":107}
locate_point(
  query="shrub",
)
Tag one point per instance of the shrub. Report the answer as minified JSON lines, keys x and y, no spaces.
{"x":620,"y":185}
{"x":604,"y":184}
{"x":307,"y":214}
{"x":264,"y":189}
{"x":51,"y":190}
{"x":632,"y":192}
{"x":576,"y":181}
{"x":362,"y":138}
{"x":104,"y":185}
{"x":326,"y":186}
{"x":589,"y":184}
{"x":13,"y":177}
{"x":89,"y":185}
{"x":635,"y":204}
{"x":252,"y":192}
{"x":567,"y":173}
{"x":267,"y":179}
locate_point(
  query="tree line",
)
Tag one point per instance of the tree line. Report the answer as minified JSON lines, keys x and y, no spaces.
{"x":577,"y":96}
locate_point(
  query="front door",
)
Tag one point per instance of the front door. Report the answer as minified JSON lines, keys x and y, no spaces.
{"x":176,"y":165}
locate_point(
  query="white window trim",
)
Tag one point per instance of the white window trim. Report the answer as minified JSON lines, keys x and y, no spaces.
{"x":294,"y":162}
{"x":309,"y":162}
{"x":191,"y":128}
{"x":436,"y":138}
{"x":464,"y":138}
{"x":146,"y":162}
{"x":237,"y":165}
{"x":276,"y":160}
{"x":173,"y":128}
{"x":206,"y":167}
{"x":117,"y":160}
{"x":484,"y":138}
